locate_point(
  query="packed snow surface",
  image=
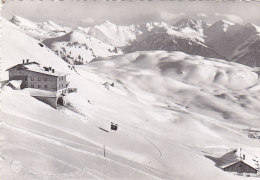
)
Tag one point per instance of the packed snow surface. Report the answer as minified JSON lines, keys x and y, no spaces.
{"x":172,"y":110}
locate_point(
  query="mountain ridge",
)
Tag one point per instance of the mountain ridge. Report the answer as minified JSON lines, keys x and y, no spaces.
{"x":221,"y":39}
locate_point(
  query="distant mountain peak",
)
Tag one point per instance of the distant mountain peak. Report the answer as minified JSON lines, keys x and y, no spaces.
{"x":222,"y":21}
{"x":39,"y":30}
{"x":108,"y":24}
{"x":17,"y":20}
{"x":222,"y":25}
{"x":253,"y":26}
{"x":191,"y":23}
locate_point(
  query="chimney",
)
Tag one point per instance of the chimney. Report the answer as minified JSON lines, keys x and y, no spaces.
{"x":27,"y":61}
{"x":244,"y":156}
{"x":23,"y":61}
{"x":53,"y":70}
{"x":49,"y":68}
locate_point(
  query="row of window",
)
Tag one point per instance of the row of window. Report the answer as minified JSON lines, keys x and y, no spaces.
{"x":39,"y":79}
{"x":45,"y":79}
{"x":39,"y":86}
{"x":45,"y":86}
{"x":61,"y":85}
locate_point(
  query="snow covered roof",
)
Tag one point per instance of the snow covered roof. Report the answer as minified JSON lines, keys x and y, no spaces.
{"x":238,"y":155}
{"x":39,"y":92}
{"x":15,"y":83}
{"x":35,"y":67}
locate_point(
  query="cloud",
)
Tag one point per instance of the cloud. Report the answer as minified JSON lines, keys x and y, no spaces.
{"x":202,"y":15}
{"x":170,"y":16}
{"x":88,"y":20}
{"x":230,"y":17}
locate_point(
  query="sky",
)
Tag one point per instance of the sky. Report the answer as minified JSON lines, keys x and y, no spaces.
{"x":75,"y":13}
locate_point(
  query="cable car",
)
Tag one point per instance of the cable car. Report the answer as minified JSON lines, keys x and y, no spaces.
{"x":114,"y":126}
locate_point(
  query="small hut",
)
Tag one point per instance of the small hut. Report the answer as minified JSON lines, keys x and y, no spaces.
{"x":14,"y":84}
{"x":239,"y":161}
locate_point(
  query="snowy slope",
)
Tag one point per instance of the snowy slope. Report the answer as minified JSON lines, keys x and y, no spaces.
{"x":172,"y":109}
{"x":186,"y":36}
{"x":39,"y":31}
{"x":33,"y":50}
{"x":112,"y":34}
{"x":222,"y":39}
{"x":174,"y":41}
{"x":194,"y":24}
{"x":76,"y":47}
{"x":225,"y":37}
{"x":248,"y":52}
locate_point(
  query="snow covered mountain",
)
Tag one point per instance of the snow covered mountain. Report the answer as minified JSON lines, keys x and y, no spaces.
{"x":110,"y":33}
{"x":196,"y":25}
{"x":168,"y":38}
{"x":222,"y":39}
{"x":248,"y":52}
{"x":76,"y":47}
{"x":168,"y":42}
{"x":226,"y":37}
{"x":186,"y":36}
{"x":39,"y":31}
{"x":173,"y":111}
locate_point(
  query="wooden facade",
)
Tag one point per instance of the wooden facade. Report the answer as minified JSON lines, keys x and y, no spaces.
{"x":240,"y":167}
{"x":38,"y":80}
{"x":51,"y":85}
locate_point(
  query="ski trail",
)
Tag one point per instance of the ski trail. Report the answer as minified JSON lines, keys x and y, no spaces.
{"x":57,"y":138}
{"x":60,"y":161}
{"x":64,"y":131}
{"x":159,"y":151}
{"x":83,"y":151}
{"x":50,"y":157}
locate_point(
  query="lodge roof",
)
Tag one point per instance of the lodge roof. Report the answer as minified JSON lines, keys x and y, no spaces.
{"x":15,"y":83}
{"x":239,"y":155}
{"x":35,"y":67}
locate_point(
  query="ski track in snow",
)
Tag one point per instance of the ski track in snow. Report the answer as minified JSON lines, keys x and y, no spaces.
{"x":50,"y":140}
{"x":145,"y":137}
{"x":74,"y":149}
{"x":55,"y":159}
{"x":138,"y":132}
{"x":156,"y":147}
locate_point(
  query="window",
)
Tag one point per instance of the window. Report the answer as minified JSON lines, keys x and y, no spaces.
{"x":32,"y":79}
{"x":61,"y":78}
{"x":39,"y":79}
{"x":32,"y":86}
{"x":62,"y":85}
{"x":45,"y":79}
{"x":26,"y":78}
{"x":45,"y":86}
{"x":39,"y":86}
